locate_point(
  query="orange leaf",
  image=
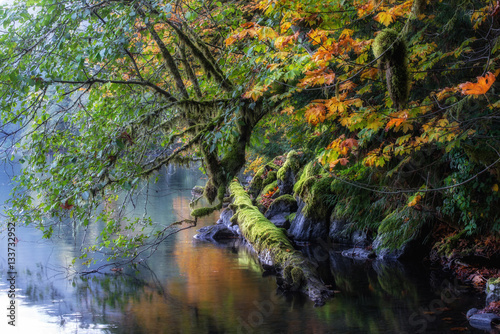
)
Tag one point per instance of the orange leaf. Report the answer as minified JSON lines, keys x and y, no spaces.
{"x":481,"y":87}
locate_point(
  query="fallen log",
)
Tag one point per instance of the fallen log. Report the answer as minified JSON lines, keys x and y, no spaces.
{"x":274,"y":248}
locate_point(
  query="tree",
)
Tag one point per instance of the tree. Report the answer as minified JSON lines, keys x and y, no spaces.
{"x":403,"y":88}
{"x":104,"y":93}
{"x":150,"y":83}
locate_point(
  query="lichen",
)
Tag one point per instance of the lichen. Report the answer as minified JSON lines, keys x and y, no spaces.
{"x":392,"y":53}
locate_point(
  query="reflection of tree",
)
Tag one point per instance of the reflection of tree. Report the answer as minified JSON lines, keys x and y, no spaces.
{"x":373,"y":297}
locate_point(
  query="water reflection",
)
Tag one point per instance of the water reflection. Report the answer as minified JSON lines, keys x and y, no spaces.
{"x":195,"y":287}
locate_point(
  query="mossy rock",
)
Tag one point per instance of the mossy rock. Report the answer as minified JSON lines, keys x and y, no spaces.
{"x":400,"y":234}
{"x":316,"y":193}
{"x":287,"y":174}
{"x":271,"y":177}
{"x":259,"y":180}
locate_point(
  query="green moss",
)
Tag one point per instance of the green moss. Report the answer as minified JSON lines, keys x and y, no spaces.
{"x":259,"y":181}
{"x":202,"y":212}
{"x":393,"y":61}
{"x":315,"y":192}
{"x":292,"y":163}
{"x":449,"y":244}
{"x":210,"y":191}
{"x":220,"y":193}
{"x":271,"y":177}
{"x":311,"y":169}
{"x":288,"y":199}
{"x":399,"y":227}
{"x":269,"y":187}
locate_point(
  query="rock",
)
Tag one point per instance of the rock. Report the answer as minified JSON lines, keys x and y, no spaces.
{"x":287,"y":174}
{"x":286,"y":184}
{"x":280,"y":220}
{"x":215,"y":232}
{"x":359,"y":254}
{"x":471,"y":312}
{"x":304,"y":228}
{"x":492,"y":297}
{"x":409,"y":250}
{"x":280,"y":209}
{"x":484,"y":321}
{"x":493,"y":285}
{"x":340,"y":233}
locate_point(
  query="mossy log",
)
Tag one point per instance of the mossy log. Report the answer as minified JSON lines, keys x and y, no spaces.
{"x":275,"y":249}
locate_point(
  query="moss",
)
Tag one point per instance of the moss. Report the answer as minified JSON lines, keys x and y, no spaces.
{"x":291,"y":217}
{"x":202,"y":212}
{"x":311,"y":169}
{"x":260,"y":178}
{"x":272,"y":243}
{"x":270,"y":187}
{"x":210,"y":191}
{"x":288,"y":199}
{"x":392,"y":52}
{"x":449,"y":244}
{"x":292,"y":163}
{"x":399,"y":227}
{"x":315,"y":192}
{"x":220,"y":193}
{"x":271,"y":177}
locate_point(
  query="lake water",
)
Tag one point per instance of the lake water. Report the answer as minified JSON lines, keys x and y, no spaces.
{"x":197,"y":287}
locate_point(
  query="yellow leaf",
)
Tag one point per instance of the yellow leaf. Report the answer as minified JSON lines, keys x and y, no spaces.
{"x":346,"y":33}
{"x":385,"y":18}
{"x":285,"y":26}
{"x":495,"y":187}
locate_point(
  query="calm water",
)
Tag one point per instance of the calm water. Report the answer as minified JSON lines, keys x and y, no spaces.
{"x":196,"y":287}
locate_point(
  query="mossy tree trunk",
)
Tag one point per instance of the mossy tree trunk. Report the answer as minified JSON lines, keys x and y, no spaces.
{"x":275,"y":249}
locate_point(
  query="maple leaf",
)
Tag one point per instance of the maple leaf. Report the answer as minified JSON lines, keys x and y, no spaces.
{"x":317,"y":77}
{"x":394,"y":122}
{"x":385,"y":18}
{"x":365,"y":9}
{"x":315,"y":114}
{"x":481,"y":87}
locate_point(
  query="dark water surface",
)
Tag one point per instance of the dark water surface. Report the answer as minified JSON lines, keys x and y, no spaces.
{"x":196,"y":287}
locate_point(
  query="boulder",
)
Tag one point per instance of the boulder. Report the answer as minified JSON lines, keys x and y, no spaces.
{"x":287,"y":174}
{"x":341,"y":233}
{"x":286,"y":184}
{"x":484,"y":321}
{"x":215,"y":232}
{"x":280,"y":209}
{"x":305,"y":228}
{"x":471,"y":312}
